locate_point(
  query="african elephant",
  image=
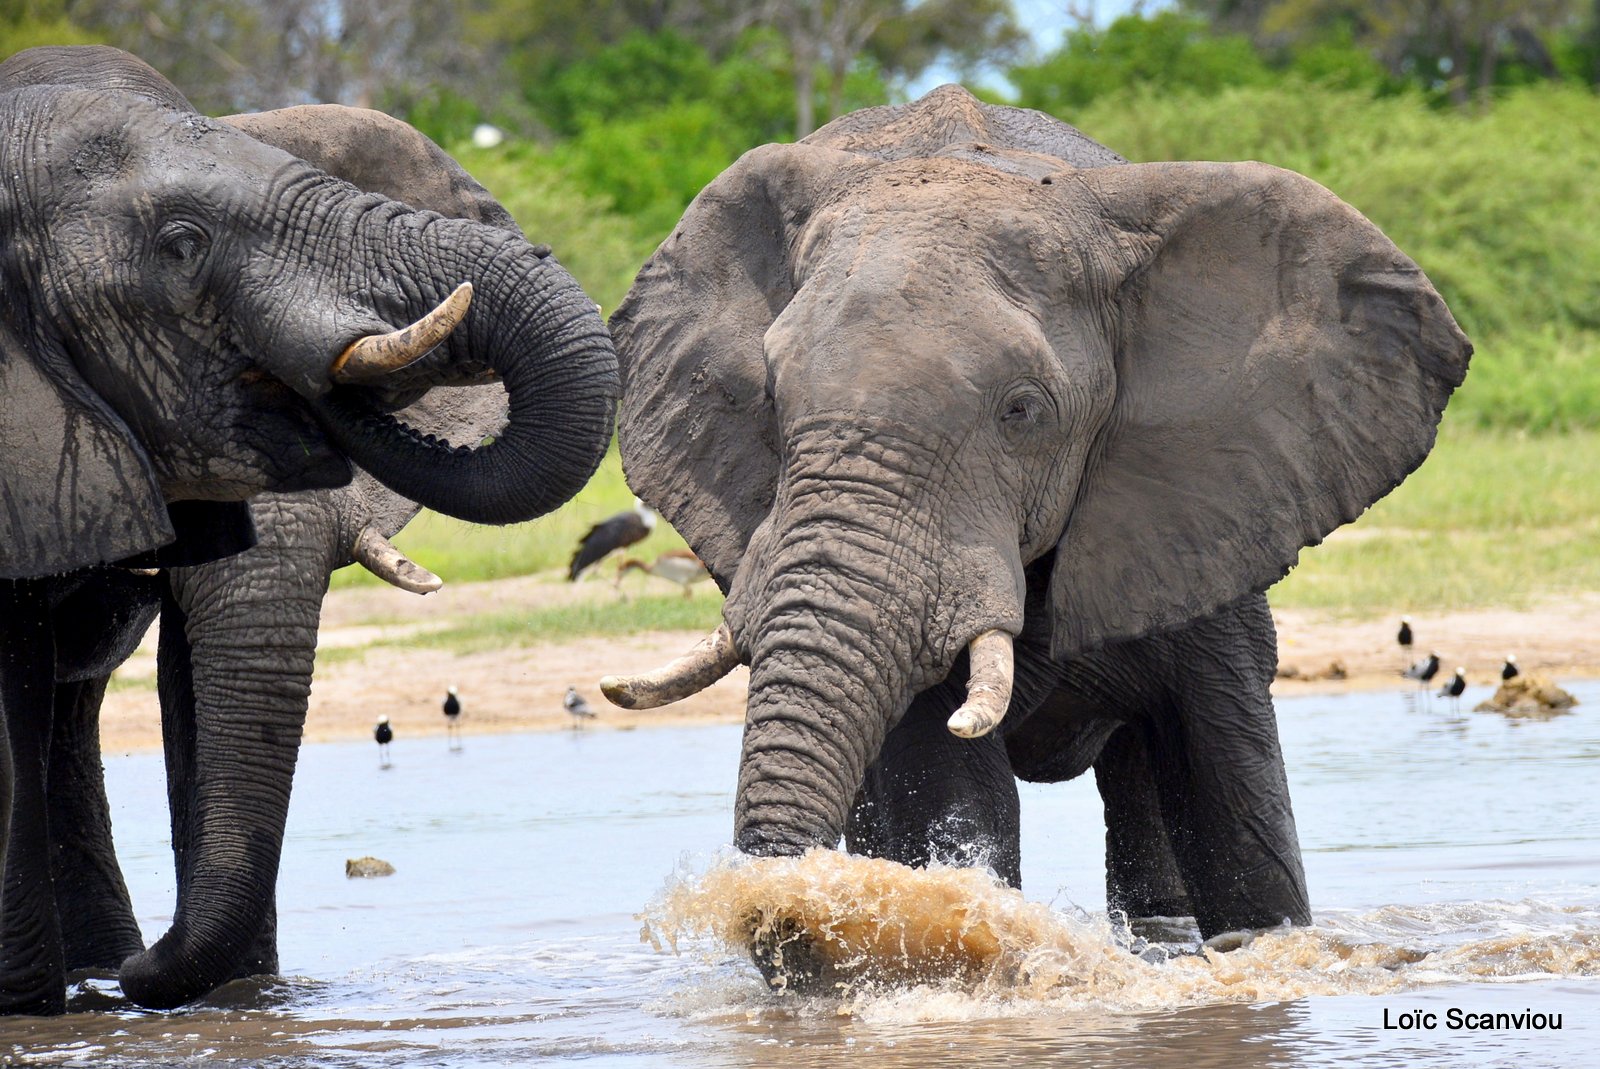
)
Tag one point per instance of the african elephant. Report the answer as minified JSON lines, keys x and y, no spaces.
{"x":972,"y":419}
{"x":194,"y":315}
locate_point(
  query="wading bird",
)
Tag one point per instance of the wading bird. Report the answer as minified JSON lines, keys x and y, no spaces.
{"x":610,"y":535}
{"x":452,"y":714}
{"x":1454,"y":689}
{"x":579,"y":708}
{"x":385,"y":735}
{"x":1509,"y":670}
{"x":1424,"y":670}
{"x":675,"y":566}
{"x":1404,"y":638}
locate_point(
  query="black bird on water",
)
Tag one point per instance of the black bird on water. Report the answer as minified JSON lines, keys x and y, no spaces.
{"x":1454,"y":689}
{"x":1509,"y":670}
{"x":1404,"y":638}
{"x":452,"y":712}
{"x":385,"y":735}
{"x":578,"y":707}
{"x":610,"y":535}
{"x":1424,"y":670}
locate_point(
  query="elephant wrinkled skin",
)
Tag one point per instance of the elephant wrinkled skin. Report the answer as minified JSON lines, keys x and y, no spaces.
{"x":947,"y":370}
{"x":165,"y":353}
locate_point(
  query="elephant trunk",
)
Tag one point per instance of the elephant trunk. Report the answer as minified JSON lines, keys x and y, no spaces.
{"x":538,"y":332}
{"x":238,"y":640}
{"x":866,"y":586}
{"x":833,"y":664}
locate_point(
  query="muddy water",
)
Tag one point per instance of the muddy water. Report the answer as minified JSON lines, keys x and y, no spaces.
{"x":1454,"y":860}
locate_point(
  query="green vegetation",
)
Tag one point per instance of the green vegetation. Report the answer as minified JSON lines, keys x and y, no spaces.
{"x":1467,"y":132}
{"x":1492,"y":518}
{"x":601,"y":616}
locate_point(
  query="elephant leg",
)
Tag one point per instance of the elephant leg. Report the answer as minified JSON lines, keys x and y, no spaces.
{"x":32,"y":967}
{"x":931,"y":796}
{"x":1142,"y":878}
{"x":1219,"y":773}
{"x":97,"y":923}
{"x":179,"y":735}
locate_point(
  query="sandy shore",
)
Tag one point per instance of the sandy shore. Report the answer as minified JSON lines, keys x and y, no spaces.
{"x":520,"y":689}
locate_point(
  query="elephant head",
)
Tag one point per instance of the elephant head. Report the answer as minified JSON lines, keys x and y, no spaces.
{"x":873,"y":376}
{"x":192,"y":313}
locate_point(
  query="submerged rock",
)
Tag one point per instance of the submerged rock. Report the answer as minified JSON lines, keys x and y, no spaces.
{"x":367,"y":868}
{"x":1528,"y":696}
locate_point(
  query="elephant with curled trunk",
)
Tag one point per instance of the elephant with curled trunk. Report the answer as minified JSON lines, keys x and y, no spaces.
{"x":972,"y":419}
{"x":197,"y":311}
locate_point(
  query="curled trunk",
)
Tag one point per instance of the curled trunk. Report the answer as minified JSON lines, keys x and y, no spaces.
{"x":541,"y":336}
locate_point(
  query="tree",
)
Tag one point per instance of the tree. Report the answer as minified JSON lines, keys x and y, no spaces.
{"x":1461,"y":45}
{"x":833,"y":36}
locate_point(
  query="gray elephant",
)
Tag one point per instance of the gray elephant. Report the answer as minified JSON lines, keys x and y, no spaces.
{"x":972,"y":419}
{"x":208,"y":315}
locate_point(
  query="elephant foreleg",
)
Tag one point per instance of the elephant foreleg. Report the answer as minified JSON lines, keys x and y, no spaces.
{"x":32,"y":968}
{"x":179,"y":735}
{"x":931,"y":796}
{"x":98,"y":929}
{"x":1219,"y":774}
{"x":1142,"y":878}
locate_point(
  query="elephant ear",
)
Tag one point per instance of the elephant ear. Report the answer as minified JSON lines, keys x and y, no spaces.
{"x":76,"y":489}
{"x":1280,"y":366}
{"x":697,"y":431}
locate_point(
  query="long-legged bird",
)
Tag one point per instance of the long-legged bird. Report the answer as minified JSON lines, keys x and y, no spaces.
{"x":385,"y":735}
{"x":452,"y":716}
{"x":610,"y":535}
{"x":577,"y":706}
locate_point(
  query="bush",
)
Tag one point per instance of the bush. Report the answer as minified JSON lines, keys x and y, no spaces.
{"x":602,"y":249}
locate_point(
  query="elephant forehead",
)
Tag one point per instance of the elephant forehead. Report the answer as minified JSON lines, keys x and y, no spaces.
{"x":930,"y":225}
{"x":117,"y":143}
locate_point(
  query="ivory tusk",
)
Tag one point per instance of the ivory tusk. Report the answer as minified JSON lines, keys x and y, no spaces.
{"x":711,"y":658}
{"x":988,"y":686}
{"x":377,"y":555}
{"x":371,"y":358}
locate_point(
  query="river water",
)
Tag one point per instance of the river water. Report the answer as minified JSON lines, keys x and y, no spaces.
{"x":1453,"y":860}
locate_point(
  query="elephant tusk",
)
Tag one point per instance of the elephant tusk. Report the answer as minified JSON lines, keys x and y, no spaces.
{"x":988,"y":686}
{"x":377,"y":555}
{"x":711,"y":658}
{"x":371,"y":358}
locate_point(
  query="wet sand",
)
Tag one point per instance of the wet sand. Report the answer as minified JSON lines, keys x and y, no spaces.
{"x":521,"y":688}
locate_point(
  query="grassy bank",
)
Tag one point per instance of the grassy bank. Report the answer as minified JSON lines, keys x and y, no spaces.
{"x":1492,"y":519}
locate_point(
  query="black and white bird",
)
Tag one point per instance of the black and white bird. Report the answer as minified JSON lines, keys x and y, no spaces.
{"x":385,"y":735}
{"x":1404,"y":638}
{"x":610,"y":535}
{"x":575,"y":704}
{"x":1424,"y":670}
{"x":1454,"y":689}
{"x":1509,"y":670}
{"x":452,"y":716}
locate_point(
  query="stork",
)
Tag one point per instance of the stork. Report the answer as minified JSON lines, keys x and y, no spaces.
{"x":610,"y":535}
{"x":675,"y":566}
{"x":1509,"y":670}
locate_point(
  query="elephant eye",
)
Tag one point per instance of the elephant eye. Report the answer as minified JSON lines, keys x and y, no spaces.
{"x":1019,"y":409}
{"x":182,"y":244}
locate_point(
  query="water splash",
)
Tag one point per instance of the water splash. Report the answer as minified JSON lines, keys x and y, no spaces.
{"x":951,"y":943}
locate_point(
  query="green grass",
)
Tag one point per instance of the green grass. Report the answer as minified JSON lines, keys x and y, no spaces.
{"x":1492,"y":519}
{"x":606,"y":615}
{"x":464,"y":552}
